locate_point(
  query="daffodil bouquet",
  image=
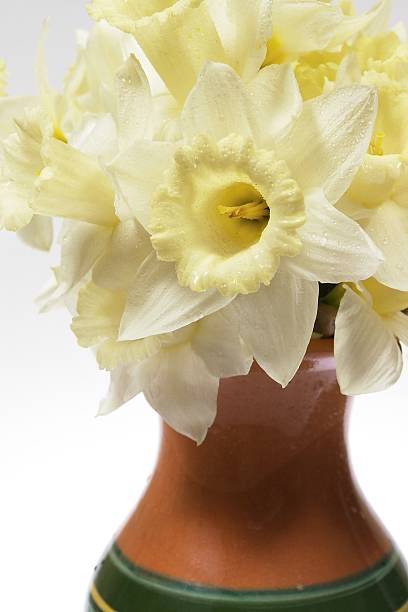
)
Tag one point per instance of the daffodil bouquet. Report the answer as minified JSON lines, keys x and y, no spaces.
{"x":233,"y":178}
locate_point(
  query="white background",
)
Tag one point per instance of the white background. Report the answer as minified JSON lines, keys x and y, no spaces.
{"x":67,"y":479}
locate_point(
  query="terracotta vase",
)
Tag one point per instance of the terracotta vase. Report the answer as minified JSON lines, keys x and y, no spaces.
{"x":265,"y":515}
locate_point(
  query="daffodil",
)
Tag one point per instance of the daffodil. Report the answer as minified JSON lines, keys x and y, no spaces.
{"x":369,"y":324}
{"x":179,"y":372}
{"x":35,"y":133}
{"x":378,"y":196}
{"x":243,"y":207}
{"x":73,"y":185}
{"x":180,"y":36}
{"x":311,"y":33}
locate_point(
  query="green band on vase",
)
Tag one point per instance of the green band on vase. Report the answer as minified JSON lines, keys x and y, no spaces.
{"x":120,"y":586}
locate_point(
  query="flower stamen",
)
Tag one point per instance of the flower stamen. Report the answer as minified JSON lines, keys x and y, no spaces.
{"x":376,"y":145}
{"x":251,"y":211}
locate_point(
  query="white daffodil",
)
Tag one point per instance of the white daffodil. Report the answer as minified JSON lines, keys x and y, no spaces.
{"x":369,"y":324}
{"x":312,"y":31}
{"x":180,"y":36}
{"x":378,"y":196}
{"x":72,"y":184}
{"x":179,"y":372}
{"x":244,"y":205}
{"x":35,"y":134}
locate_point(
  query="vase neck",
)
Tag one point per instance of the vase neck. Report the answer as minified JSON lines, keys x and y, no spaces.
{"x":264,"y":434}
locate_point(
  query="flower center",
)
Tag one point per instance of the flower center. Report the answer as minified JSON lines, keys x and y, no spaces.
{"x":256,"y":209}
{"x":226,"y":215}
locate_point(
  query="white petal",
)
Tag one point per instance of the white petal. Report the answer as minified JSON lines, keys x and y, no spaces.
{"x":327,"y":143}
{"x":81,"y":246}
{"x":398,"y":324}
{"x":276,"y":101}
{"x":218,"y":105}
{"x":217,"y":341}
{"x":128,"y":248}
{"x":388,"y":227}
{"x":134,"y":103}
{"x":368,"y":357}
{"x":277,"y":323}
{"x":12,"y":107}
{"x":335,"y":248}
{"x":244,"y":29}
{"x":106,"y":49}
{"x":183,"y":392}
{"x":96,"y":136}
{"x":177,"y":385}
{"x":138,"y":172}
{"x":157,"y":304}
{"x":38,"y":233}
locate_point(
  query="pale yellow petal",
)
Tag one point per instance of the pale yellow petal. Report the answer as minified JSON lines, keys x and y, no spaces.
{"x":178,"y":37}
{"x":99,"y":312}
{"x":15,"y":211}
{"x":38,"y":233}
{"x":244,"y":29}
{"x":73,"y":186}
{"x":386,"y":301}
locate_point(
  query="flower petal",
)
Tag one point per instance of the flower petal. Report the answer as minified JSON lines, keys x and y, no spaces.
{"x":96,"y":324}
{"x":327,"y":143}
{"x":138,"y":172}
{"x":387,"y":225}
{"x":178,"y":42}
{"x":158,"y":305}
{"x":218,"y":105}
{"x":217,"y":341}
{"x":12,"y":107}
{"x":73,"y":186}
{"x":177,"y":36}
{"x":81,"y":246}
{"x":335,"y":248}
{"x":134,"y":103}
{"x":38,"y":233}
{"x":244,"y":29}
{"x":370,"y":23}
{"x":398,"y":324}
{"x":15,"y":212}
{"x":277,"y":323}
{"x":276,"y":100}
{"x":301,"y":27}
{"x":368,"y":357}
{"x":129,"y":247}
{"x":177,"y":385}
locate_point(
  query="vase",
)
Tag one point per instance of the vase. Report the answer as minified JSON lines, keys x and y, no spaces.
{"x":264,"y":515}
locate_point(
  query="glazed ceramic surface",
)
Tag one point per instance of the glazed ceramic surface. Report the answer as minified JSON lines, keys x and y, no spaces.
{"x":265,"y":515}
